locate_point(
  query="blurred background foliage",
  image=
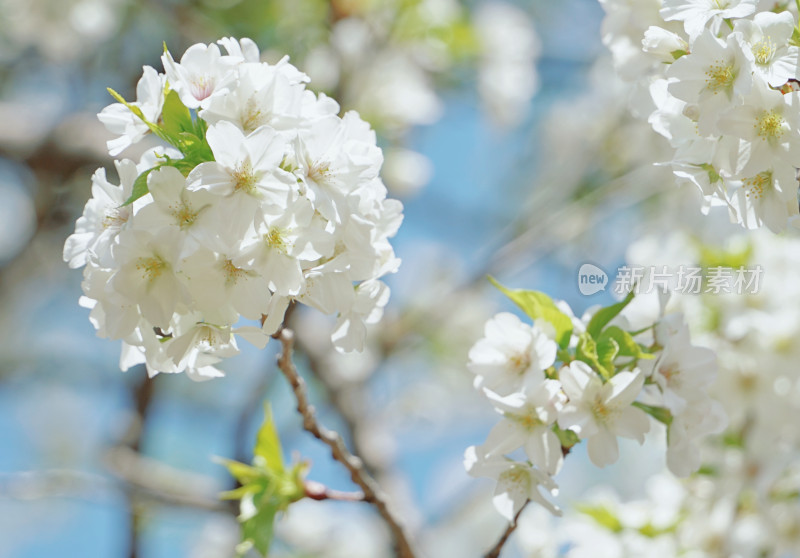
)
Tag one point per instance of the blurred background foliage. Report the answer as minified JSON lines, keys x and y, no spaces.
{"x":96,"y":463}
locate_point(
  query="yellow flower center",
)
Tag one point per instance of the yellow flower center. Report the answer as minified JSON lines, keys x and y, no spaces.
{"x":667,"y":372}
{"x":520,"y":362}
{"x":243,"y":178}
{"x":769,"y":125}
{"x":252,"y":116}
{"x":517,"y":476}
{"x":600,"y":411}
{"x":151,"y":267}
{"x":184,"y":215}
{"x":275,"y":238}
{"x":764,"y":50}
{"x":720,"y":76}
{"x":319,"y":172}
{"x":755,"y":186}
{"x":528,"y":421}
{"x":232,"y":273}
{"x":115,"y":218}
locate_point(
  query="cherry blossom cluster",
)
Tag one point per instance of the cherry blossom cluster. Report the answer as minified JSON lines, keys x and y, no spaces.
{"x":262,"y":196}
{"x":563,"y":379}
{"x":719,"y":81}
{"x":745,"y":501}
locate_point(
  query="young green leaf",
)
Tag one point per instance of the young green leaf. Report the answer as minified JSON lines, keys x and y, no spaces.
{"x":258,"y":528}
{"x":140,"y":186}
{"x":625,"y":342}
{"x":602,"y":515}
{"x":587,"y":352}
{"x":157,"y":130}
{"x":268,"y":446}
{"x":607,"y":351}
{"x":268,"y":487}
{"x":538,"y":305}
{"x":605,"y":315}
{"x":659,"y":413}
{"x":242,"y":472}
{"x":175,"y":116}
{"x":568,"y":438}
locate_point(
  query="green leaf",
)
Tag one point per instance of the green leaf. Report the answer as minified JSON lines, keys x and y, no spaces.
{"x":195,"y":148}
{"x":607,"y":351}
{"x":659,"y":413}
{"x":707,"y":470}
{"x":625,"y":343}
{"x":140,"y":186}
{"x":235,"y":494}
{"x":651,"y":531}
{"x":268,"y":445}
{"x":268,"y":487}
{"x":179,"y":129}
{"x":568,"y":438}
{"x":120,"y":99}
{"x":795,"y":38}
{"x":538,"y":305}
{"x":587,"y":352}
{"x":603,"y":516}
{"x":242,"y":472}
{"x":258,"y":529}
{"x":678,"y":53}
{"x":733,"y":439}
{"x":185,"y":166}
{"x":605,"y":315}
{"x":175,"y":116}
{"x":157,"y":130}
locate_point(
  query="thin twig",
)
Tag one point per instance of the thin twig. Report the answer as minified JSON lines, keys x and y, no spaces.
{"x":318,"y":491}
{"x":339,"y":395}
{"x":372,"y":491}
{"x":149,"y":479}
{"x":498,"y":547}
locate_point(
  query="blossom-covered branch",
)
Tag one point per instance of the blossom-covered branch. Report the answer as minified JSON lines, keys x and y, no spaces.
{"x":262,"y":195}
{"x":566,"y":379}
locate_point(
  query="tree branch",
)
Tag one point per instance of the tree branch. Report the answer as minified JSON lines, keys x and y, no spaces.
{"x":156,"y":481}
{"x":498,"y":547}
{"x":372,"y":491}
{"x":318,"y":491}
{"x":142,"y":396}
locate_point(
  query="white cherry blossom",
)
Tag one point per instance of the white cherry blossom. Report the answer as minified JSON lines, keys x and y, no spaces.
{"x":599,"y":412}
{"x":509,"y":351}
{"x":696,"y":14}
{"x":121,"y":121}
{"x":516,"y":482}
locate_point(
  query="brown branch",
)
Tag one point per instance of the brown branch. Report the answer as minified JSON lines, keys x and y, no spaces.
{"x":142,"y":396}
{"x":498,"y":547}
{"x":372,"y":491}
{"x":339,"y":396}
